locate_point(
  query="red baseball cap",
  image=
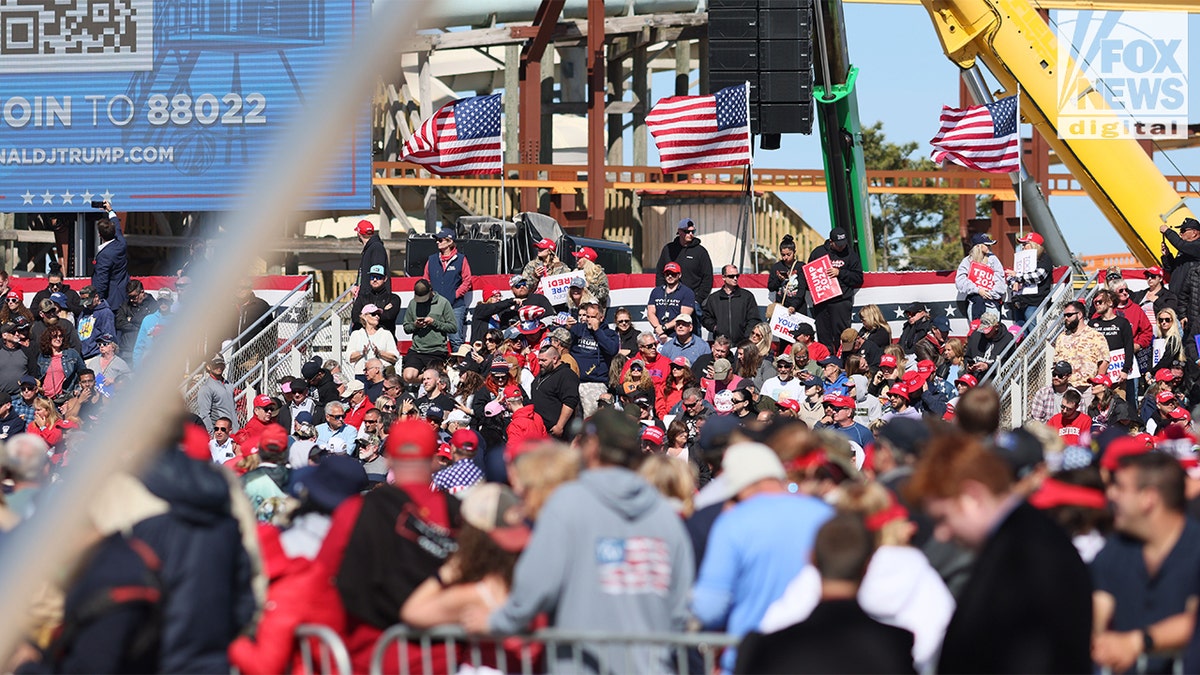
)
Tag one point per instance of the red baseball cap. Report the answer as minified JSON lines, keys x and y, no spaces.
{"x":672,"y":267}
{"x":887,"y":361}
{"x":1163,"y":375}
{"x":790,"y":404}
{"x":925,"y":367}
{"x":1126,"y":446}
{"x":411,"y":439}
{"x":1031,"y":238}
{"x":273,"y":436}
{"x":586,"y":252}
{"x":1180,"y":414}
{"x":898,"y":390}
{"x":444,"y":451}
{"x":1165,"y":396}
{"x":365,"y":227}
{"x":513,"y":391}
{"x":1101,"y":379}
{"x":654,"y":435}
{"x":13,"y":295}
{"x":465,"y":440}
{"x":262,"y":401}
{"x":968,"y":380}
{"x":545,"y":244}
{"x":681,"y":361}
{"x":1154,"y":271}
{"x":838,"y":401}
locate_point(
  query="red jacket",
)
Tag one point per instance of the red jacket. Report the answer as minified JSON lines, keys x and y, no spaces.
{"x":1143,"y":332}
{"x":525,"y":426}
{"x":354,"y":416}
{"x":300,"y":593}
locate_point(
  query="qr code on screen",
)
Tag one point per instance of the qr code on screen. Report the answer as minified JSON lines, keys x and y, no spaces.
{"x":43,"y":36}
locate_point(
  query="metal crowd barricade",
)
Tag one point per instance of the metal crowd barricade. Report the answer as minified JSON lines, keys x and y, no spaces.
{"x":572,"y":651}
{"x":331,"y":657}
{"x":1024,"y":367}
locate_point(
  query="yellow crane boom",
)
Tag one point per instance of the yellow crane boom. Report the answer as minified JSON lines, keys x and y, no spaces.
{"x":1017,"y":46}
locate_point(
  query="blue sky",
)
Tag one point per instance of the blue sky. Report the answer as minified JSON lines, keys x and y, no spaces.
{"x":904,"y":80}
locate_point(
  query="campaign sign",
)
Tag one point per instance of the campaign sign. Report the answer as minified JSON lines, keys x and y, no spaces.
{"x":1024,"y":262}
{"x":983,"y":277}
{"x":558,"y":287}
{"x":167,"y":106}
{"x":1116,"y":362}
{"x":822,"y":286}
{"x":783,"y":323}
{"x":1159,"y":346}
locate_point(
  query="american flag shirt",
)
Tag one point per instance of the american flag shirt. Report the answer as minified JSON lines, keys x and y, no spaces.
{"x":457,"y":477}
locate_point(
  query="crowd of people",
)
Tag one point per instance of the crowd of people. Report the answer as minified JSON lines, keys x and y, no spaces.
{"x":840,"y":500}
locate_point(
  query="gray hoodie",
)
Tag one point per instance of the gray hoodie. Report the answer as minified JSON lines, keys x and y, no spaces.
{"x":607,"y":554}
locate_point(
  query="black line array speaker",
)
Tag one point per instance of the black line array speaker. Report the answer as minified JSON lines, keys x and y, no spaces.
{"x":482,"y":254}
{"x":768,"y":43}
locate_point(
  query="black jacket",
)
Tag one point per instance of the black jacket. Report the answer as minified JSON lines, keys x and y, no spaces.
{"x":777,"y":284}
{"x":979,"y":347}
{"x":325,"y":391}
{"x":1043,"y":287}
{"x":110,"y":270}
{"x":1178,"y":266}
{"x":838,"y":637}
{"x":913,"y":332}
{"x":373,"y":253}
{"x":385,"y":300}
{"x":205,"y":570}
{"x":128,"y":319}
{"x":74,"y":304}
{"x":1027,"y":607}
{"x":696,"y":268}
{"x":850,"y":271}
{"x":554,"y":389}
{"x":731,"y":314}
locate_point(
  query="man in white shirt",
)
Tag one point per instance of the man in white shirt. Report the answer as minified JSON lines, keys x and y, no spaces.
{"x":222,"y":446}
{"x":784,"y":385}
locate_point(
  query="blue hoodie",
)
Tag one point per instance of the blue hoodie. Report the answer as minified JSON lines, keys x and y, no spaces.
{"x":593,"y":350}
{"x":93,"y":322}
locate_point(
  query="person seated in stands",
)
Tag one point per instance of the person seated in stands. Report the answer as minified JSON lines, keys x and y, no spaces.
{"x":987,"y":344}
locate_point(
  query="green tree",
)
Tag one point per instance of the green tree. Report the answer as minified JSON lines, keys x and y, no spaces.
{"x":911,"y":231}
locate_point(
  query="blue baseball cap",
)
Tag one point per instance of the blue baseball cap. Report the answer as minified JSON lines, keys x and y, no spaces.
{"x":59,"y":299}
{"x":378,"y":270}
{"x":447,"y":233}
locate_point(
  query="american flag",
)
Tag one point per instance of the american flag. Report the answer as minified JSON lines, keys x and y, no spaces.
{"x":702,"y":132}
{"x":462,"y":138}
{"x":980,"y":137}
{"x":633,"y":566}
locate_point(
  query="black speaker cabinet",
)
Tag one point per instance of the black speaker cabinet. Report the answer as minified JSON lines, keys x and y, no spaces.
{"x":417,"y":252}
{"x":482,"y":254}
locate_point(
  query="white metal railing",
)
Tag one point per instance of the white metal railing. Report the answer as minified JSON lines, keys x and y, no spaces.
{"x":1025,"y":366}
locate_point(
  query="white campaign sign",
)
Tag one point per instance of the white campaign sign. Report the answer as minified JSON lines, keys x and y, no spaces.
{"x":1024,"y":262}
{"x":783,"y":323}
{"x":558,"y":287}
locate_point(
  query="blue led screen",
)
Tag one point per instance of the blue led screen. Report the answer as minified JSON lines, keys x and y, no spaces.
{"x":165,"y":105}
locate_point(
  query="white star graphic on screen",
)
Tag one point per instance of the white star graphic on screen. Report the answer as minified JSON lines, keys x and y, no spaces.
{"x":106,"y":195}
{"x":47,"y":198}
{"x":899,"y":312}
{"x":950,"y":310}
{"x":27,"y":198}
{"x":68,"y":197}
{"x":86,"y":196}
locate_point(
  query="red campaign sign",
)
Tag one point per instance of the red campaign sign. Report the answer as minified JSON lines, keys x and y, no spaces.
{"x":822,"y":286}
{"x":982,"y":276}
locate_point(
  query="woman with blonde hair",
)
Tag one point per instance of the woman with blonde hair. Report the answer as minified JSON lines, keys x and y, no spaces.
{"x":1167,"y":328}
{"x":989,"y":295}
{"x":593,"y":274}
{"x":875,"y":328}
{"x":900,"y":587}
{"x":673,"y":479}
{"x":955,"y":353}
{"x":760,"y":339}
{"x":537,"y":473}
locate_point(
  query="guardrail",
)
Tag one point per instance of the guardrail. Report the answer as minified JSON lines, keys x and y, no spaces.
{"x":326,"y":332}
{"x":1024,"y":367}
{"x":330,"y":650}
{"x":266,"y":331}
{"x":573,"y":651}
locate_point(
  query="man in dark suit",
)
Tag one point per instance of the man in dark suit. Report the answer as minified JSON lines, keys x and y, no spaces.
{"x":838,"y":637}
{"x":1027,"y":607}
{"x":110,"y":273}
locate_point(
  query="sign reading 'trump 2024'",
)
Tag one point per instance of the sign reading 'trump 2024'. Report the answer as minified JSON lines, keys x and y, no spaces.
{"x":163,"y":106}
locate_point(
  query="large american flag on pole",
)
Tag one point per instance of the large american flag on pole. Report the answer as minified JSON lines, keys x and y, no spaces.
{"x":461,"y":138}
{"x":702,"y":132}
{"x":981,"y":137}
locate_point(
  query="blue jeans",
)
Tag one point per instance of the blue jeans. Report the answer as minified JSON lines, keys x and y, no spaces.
{"x":1025,"y":317}
{"x":460,"y":317}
